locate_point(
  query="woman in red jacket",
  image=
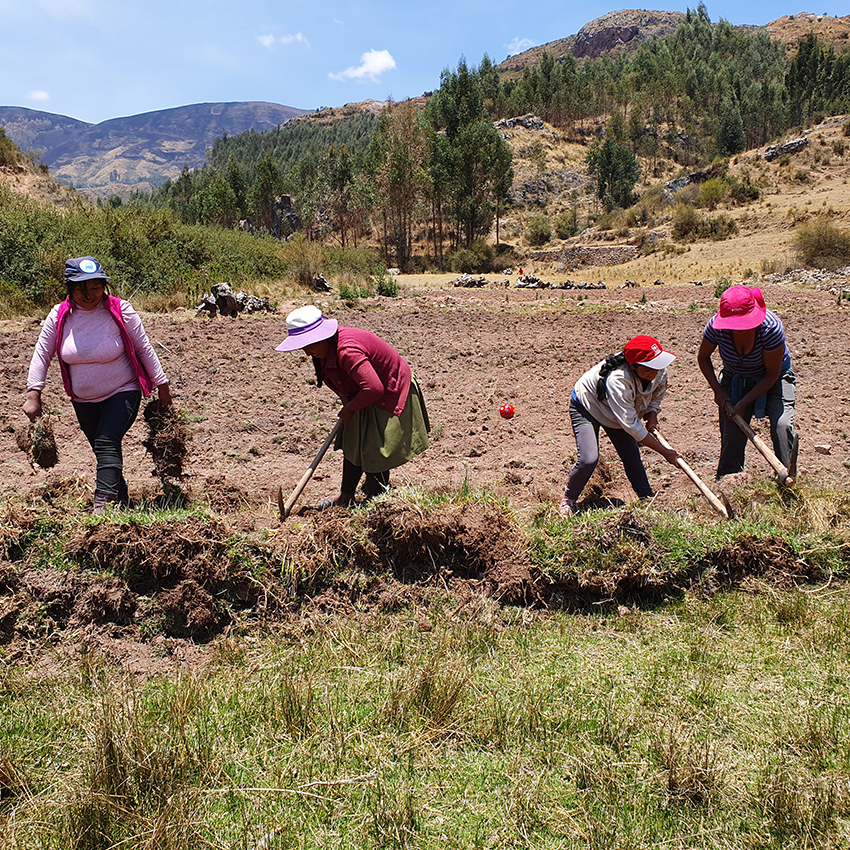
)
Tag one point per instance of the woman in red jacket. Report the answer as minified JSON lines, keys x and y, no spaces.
{"x":384,"y":415}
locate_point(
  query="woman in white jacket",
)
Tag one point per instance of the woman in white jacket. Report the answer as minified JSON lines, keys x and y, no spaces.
{"x":617,"y":394}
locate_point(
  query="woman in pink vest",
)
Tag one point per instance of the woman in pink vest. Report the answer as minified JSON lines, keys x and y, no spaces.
{"x":107,"y":364}
{"x":383,"y":411}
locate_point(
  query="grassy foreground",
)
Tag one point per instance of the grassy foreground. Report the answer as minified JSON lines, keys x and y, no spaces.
{"x":702,"y":722}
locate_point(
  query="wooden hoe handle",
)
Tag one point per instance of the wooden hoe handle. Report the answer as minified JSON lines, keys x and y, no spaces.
{"x":712,"y":499}
{"x":286,"y":508}
{"x":782,"y":473}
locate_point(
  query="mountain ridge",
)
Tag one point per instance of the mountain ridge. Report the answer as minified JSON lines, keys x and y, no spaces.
{"x":135,"y":151}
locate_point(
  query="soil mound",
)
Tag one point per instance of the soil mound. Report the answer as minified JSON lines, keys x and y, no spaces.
{"x":187,"y":566}
{"x":468,"y":542}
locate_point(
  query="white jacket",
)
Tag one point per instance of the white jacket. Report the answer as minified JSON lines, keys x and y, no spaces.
{"x":627,"y":402}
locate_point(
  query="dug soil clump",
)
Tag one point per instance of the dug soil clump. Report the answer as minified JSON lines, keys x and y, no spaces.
{"x":37,"y":441}
{"x":185,"y":567}
{"x":466,"y":542}
{"x":167,"y":440}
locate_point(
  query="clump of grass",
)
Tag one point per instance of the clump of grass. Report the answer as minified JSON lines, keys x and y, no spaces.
{"x":167,"y":440}
{"x":823,"y":244}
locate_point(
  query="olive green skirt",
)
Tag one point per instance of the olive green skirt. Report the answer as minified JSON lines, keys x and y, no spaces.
{"x":377,"y":441}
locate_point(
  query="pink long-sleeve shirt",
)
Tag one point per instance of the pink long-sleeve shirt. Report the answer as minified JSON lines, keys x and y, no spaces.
{"x":93,"y":351}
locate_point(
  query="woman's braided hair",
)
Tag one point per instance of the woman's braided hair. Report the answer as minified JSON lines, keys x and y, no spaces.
{"x":612,"y":362}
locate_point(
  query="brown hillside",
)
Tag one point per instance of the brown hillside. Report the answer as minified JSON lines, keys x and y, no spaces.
{"x":34,"y":181}
{"x":829,"y":30}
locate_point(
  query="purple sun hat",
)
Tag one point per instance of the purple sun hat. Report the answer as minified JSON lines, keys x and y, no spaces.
{"x":305,"y":326}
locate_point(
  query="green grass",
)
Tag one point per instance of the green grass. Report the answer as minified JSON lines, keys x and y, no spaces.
{"x":714,"y":723}
{"x":693,"y":721}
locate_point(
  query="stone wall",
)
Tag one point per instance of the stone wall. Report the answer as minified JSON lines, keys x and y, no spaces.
{"x":601,"y":255}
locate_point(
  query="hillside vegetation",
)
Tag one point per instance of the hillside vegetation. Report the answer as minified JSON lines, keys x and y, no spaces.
{"x":434,"y":185}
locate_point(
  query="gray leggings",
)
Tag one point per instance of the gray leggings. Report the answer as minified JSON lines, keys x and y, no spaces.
{"x":586,"y":430}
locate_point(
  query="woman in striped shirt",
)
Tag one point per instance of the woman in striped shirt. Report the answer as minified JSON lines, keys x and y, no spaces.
{"x":756,"y":378}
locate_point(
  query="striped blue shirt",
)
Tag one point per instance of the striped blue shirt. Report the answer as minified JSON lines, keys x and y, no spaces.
{"x":770,"y":335}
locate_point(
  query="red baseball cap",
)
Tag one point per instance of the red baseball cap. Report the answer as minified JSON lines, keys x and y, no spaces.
{"x":741,"y":309}
{"x":647,"y":351}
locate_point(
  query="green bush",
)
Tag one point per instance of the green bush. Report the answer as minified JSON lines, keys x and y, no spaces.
{"x":822,"y":244}
{"x":478,"y":257}
{"x":538,"y":231}
{"x":723,"y":283}
{"x":566,"y":224}
{"x":742,"y":191}
{"x":686,"y":222}
{"x":385,"y":283}
{"x":712,"y":192}
{"x":718,"y":228}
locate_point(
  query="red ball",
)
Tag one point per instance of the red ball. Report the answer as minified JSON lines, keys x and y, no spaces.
{"x":507,"y":410}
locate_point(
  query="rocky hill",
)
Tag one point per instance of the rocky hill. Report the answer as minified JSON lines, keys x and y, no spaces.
{"x":610,"y":33}
{"x":828,"y":29}
{"x":136,"y":152}
{"x":628,"y":28}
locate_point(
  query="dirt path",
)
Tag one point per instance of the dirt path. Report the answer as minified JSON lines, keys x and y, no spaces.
{"x":257,"y":417}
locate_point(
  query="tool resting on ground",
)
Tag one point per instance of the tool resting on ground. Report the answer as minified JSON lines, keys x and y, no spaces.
{"x":785,"y":478}
{"x":286,"y":508}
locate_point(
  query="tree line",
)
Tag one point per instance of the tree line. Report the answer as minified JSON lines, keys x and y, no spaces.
{"x":443,"y":174}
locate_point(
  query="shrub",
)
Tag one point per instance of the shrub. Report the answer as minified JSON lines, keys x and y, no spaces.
{"x":821,"y":243}
{"x":385,"y":283}
{"x":538,"y":231}
{"x":566,"y":224}
{"x":478,"y":257}
{"x":723,"y":283}
{"x":720,"y":227}
{"x":742,"y":191}
{"x":712,"y":192}
{"x":686,"y":222}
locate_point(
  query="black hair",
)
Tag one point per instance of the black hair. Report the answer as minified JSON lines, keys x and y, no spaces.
{"x":317,"y":362}
{"x":612,"y":362}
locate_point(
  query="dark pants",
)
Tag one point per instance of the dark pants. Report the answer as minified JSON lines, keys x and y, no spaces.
{"x":586,"y":430}
{"x":105,"y":423}
{"x":780,"y":403}
{"x":374,"y":485}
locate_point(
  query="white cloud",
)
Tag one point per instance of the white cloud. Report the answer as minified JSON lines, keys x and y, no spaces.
{"x":38,"y":95}
{"x":270,"y":40}
{"x":289,"y":39}
{"x":338,"y":21}
{"x":372,"y":65}
{"x":518,"y":45}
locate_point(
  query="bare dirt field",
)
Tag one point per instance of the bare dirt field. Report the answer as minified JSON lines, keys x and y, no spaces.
{"x":257,"y":418}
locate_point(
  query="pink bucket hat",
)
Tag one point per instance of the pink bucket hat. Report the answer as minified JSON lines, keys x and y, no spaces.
{"x":305,"y":326}
{"x":741,"y":309}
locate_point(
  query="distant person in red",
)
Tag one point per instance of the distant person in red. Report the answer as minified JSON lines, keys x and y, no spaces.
{"x":383,"y":411}
{"x":616,"y":394}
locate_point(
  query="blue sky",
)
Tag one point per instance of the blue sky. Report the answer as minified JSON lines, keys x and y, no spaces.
{"x":100,"y":59}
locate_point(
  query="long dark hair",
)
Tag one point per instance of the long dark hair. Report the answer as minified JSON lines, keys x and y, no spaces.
{"x":612,"y":362}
